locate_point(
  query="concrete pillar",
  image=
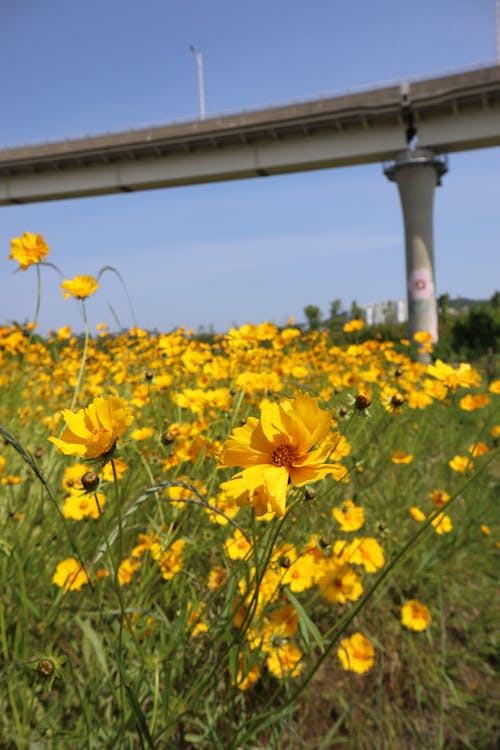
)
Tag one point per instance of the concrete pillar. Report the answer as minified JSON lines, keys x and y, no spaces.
{"x":417,"y":171}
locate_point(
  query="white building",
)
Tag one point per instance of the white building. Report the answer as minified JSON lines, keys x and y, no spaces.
{"x":386,"y":312}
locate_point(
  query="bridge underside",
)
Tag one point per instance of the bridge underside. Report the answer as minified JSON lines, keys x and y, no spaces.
{"x":455,"y":113}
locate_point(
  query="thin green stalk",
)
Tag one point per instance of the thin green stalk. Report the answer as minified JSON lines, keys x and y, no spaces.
{"x":38,"y":300}
{"x":440,"y":737}
{"x":84,"y":355}
{"x":116,"y":582}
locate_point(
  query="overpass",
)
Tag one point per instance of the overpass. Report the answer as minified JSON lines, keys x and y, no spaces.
{"x":451,"y":113}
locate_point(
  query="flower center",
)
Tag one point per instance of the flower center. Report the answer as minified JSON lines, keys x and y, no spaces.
{"x":284,"y":455}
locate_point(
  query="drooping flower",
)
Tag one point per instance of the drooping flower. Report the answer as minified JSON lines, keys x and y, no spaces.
{"x":80,"y":287}
{"x":92,"y":432}
{"x":356,"y":653}
{"x":70,"y":575}
{"x":277,"y":449}
{"x":415,"y":615}
{"x":28,"y":250}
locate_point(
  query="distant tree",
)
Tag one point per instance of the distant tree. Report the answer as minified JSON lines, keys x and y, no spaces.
{"x":495,"y":300}
{"x":478,"y":332}
{"x":443,"y":302}
{"x":356,"y":311}
{"x":314,"y":317}
{"x":335,"y":308}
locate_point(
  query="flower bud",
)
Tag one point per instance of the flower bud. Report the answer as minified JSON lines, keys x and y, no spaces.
{"x":362,"y":401}
{"x":168,"y":437}
{"x":397,"y":399}
{"x":45,"y":668}
{"x":90,"y":481}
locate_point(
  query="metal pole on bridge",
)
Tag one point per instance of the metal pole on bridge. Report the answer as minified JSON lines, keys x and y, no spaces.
{"x":417,"y":171}
{"x":201,"y":86}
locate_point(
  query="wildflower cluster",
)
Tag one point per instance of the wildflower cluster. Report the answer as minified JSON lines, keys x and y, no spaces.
{"x":244,"y":493}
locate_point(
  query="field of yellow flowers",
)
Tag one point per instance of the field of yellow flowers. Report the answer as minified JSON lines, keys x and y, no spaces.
{"x":261,"y":541}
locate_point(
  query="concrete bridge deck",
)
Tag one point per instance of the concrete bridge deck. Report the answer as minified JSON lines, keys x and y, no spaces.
{"x":452,"y":113}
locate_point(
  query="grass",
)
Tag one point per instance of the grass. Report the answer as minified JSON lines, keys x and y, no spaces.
{"x":147,"y":653}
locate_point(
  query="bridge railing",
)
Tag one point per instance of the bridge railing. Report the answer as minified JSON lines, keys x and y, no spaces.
{"x":405,"y":81}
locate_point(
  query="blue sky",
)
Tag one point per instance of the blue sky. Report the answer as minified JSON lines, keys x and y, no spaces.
{"x":248,"y":250}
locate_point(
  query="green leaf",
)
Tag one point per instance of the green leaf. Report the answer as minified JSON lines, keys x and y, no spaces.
{"x":140,"y":719}
{"x":93,"y":639}
{"x":306,"y":626}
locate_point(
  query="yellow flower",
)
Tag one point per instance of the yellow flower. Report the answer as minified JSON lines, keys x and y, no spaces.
{"x":353,"y":325}
{"x":126,"y":570}
{"x":141,"y":433}
{"x":195,"y":620}
{"x":485,"y":529}
{"x":247,"y":676}
{"x":276,"y":449}
{"x":216,"y":578}
{"x":438,"y":498}
{"x":400,"y":457}
{"x":417,"y":514}
{"x":79,"y":287}
{"x":237,"y":547}
{"x":285,"y":660}
{"x":64,"y":333}
{"x":356,"y":653}
{"x":350,"y":517}
{"x":442,"y":524}
{"x":478,"y":449}
{"x":171,"y":561}
{"x":460,"y":463}
{"x":70,"y":575}
{"x":78,"y":506}
{"x":108,"y":475}
{"x":28,"y":249}
{"x":415,"y":615}
{"x":299,"y":576}
{"x":470,"y":402}
{"x":494,"y":386}
{"x":338,"y":582}
{"x":367,"y":552}
{"x":452,"y":377}
{"x":93,"y":431}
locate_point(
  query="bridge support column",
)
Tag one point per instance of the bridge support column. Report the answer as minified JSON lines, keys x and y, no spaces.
{"x":417,"y":172}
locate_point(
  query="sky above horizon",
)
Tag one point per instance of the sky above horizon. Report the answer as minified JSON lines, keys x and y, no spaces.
{"x":229,"y":253}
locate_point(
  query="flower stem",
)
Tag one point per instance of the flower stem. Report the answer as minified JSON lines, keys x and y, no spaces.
{"x":38,"y":301}
{"x":84,"y":356}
